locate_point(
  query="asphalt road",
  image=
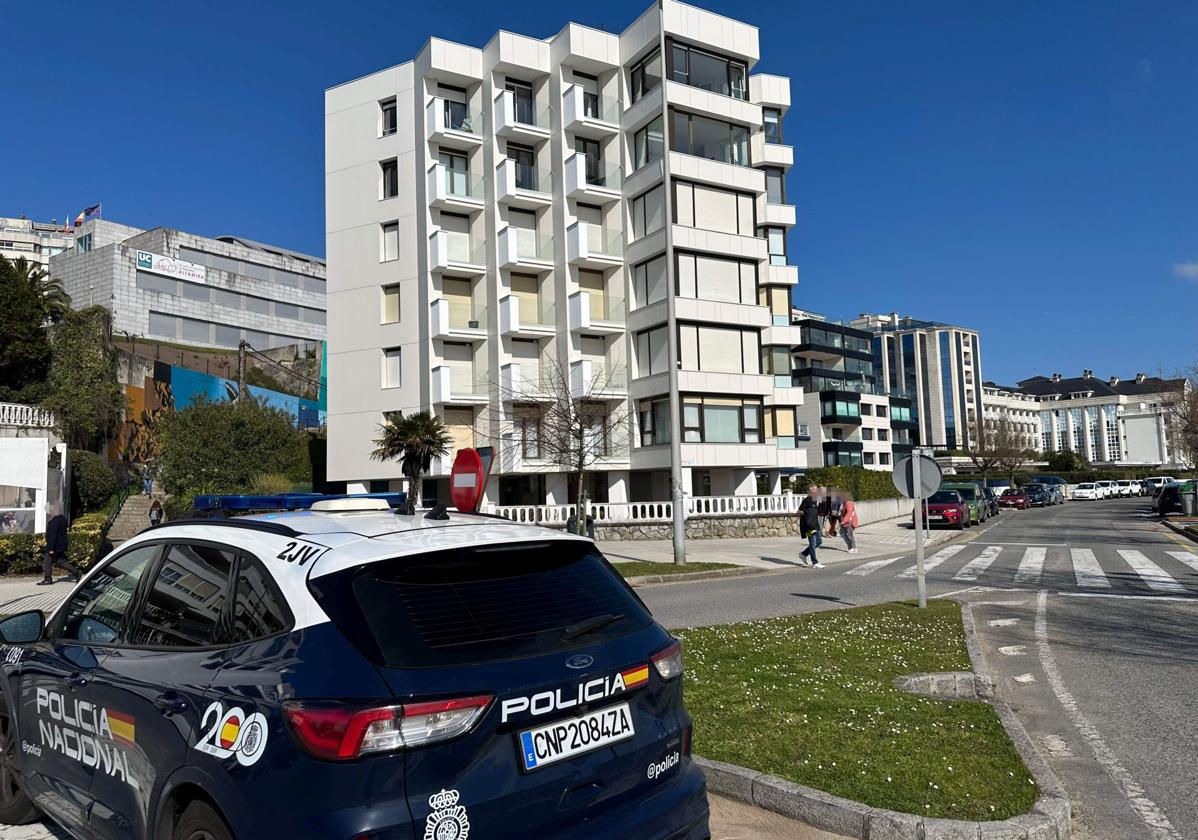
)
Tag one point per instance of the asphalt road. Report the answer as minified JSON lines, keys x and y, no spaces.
{"x":1088,"y":613}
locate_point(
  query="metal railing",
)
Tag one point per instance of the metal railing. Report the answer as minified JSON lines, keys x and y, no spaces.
{"x":697,"y":507}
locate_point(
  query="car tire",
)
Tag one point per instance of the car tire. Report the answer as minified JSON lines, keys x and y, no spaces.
{"x":16,"y":808}
{"x":201,"y":822}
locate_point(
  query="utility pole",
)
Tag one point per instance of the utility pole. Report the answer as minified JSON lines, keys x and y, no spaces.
{"x":921,"y":583}
{"x":241,"y":372}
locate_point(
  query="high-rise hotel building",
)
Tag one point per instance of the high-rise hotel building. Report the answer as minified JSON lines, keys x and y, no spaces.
{"x":606,"y":211}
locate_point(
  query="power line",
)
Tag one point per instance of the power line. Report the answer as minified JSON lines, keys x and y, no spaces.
{"x":286,"y":370}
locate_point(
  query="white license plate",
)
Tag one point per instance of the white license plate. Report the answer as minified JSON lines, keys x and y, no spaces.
{"x":567,"y":738}
{"x":934,"y":517}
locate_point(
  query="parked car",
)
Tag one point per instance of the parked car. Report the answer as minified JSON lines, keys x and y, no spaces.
{"x":1056,"y":494}
{"x":1014,"y":497}
{"x":1105,"y":489}
{"x":1050,"y":481}
{"x":946,"y":507}
{"x":1037,"y":494}
{"x":971,"y":494}
{"x":1157,"y":481}
{"x":1127,"y":487}
{"x":1086,"y":491}
{"x":309,"y":675}
{"x":992,"y":501}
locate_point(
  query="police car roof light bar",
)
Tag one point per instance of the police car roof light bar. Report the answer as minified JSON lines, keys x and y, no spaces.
{"x":286,"y":501}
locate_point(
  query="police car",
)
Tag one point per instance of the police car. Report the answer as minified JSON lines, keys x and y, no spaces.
{"x":346,"y":671}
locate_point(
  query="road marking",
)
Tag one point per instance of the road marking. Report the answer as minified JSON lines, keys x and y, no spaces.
{"x":1013,"y":650}
{"x":1184,"y":598}
{"x":1027,"y":543}
{"x":933,"y":561}
{"x":1086,"y":569}
{"x":1152,"y":574}
{"x":1032,"y":565}
{"x":1187,"y":557}
{"x":1025,"y":678}
{"x":1148,"y":811}
{"x":975,"y":567}
{"x":871,"y":567}
{"x":1003,"y":622}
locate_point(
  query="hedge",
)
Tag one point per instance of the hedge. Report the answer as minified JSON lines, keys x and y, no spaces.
{"x":92,"y":480}
{"x":21,"y":554}
{"x":862,"y":483}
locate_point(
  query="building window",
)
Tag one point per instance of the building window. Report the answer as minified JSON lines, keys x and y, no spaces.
{"x":388,"y":117}
{"x":775,"y":237}
{"x":83,"y":244}
{"x":879,"y":410}
{"x":715,"y":278}
{"x":775,"y":185}
{"x":525,"y":161}
{"x":528,"y":427}
{"x":390,"y":312}
{"x":649,"y":143}
{"x":711,"y":208}
{"x":867,"y":434}
{"x":772,"y":119}
{"x":649,"y":281}
{"x":646,"y":75}
{"x":868,"y":458}
{"x":721,"y":420}
{"x":883,"y":434}
{"x":522,"y":97}
{"x":719,"y":349}
{"x":883,"y":457}
{"x":648,"y":212}
{"x":392,"y":371}
{"x":389,"y":242}
{"x":654,"y":417}
{"x":652,"y":351}
{"x":704,"y":137}
{"x":457,"y":173}
{"x":389,"y":183}
{"x":707,"y":71}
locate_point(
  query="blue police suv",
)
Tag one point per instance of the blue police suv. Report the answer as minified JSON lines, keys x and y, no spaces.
{"x":345,"y":672}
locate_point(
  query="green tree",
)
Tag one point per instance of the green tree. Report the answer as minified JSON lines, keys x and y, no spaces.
{"x":415,"y":440}
{"x":24,"y":344}
{"x":222,"y":447}
{"x":1067,"y":461}
{"x":83,"y":390}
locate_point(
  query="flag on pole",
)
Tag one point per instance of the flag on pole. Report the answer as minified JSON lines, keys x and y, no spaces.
{"x":92,"y":212}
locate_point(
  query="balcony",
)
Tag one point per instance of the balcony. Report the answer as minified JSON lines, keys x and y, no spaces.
{"x":456,"y":253}
{"x":596,"y":314}
{"x":590,"y":115}
{"x":520,"y":186}
{"x":785,"y":334}
{"x":778,"y":215}
{"x":838,"y":417}
{"x":781,"y":275}
{"x":770,"y":154}
{"x":454,"y":191}
{"x":458,"y":385}
{"x":596,"y":379}
{"x":594,"y":246}
{"x":520,"y":121}
{"x":453,"y":124}
{"x":458,"y":321}
{"x":522,"y":381}
{"x":517,"y":321}
{"x":525,"y":250}
{"x":601,"y":185}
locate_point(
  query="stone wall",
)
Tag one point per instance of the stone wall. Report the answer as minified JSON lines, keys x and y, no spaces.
{"x":703,"y":529}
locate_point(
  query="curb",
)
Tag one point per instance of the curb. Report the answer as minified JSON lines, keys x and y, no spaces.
{"x":1180,"y":531}
{"x":1049,"y":818}
{"x":682,"y":577}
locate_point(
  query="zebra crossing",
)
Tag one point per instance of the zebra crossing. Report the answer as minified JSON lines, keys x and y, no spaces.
{"x":1145,"y":570}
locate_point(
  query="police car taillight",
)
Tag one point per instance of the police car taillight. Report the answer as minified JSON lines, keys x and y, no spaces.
{"x":342,"y":733}
{"x":669,"y":662}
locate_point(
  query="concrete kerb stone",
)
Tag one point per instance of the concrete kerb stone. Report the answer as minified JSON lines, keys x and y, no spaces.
{"x":683,"y":577}
{"x":1049,"y":819}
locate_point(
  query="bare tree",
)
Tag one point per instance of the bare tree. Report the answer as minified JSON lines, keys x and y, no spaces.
{"x":571,"y":417}
{"x":1181,"y":419}
{"x":997,"y":443}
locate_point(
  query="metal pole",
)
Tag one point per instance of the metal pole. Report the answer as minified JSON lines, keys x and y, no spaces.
{"x":241,"y":371}
{"x":918,"y":496}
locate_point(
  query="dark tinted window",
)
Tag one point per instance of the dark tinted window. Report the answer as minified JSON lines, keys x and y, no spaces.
{"x":476,"y":605}
{"x":258,"y":609}
{"x":184,"y":606}
{"x":944,"y":497}
{"x":97,"y":609}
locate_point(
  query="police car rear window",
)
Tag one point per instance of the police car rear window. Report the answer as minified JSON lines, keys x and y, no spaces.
{"x":479,"y":605}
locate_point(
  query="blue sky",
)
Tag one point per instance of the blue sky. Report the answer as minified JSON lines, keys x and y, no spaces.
{"x":1029,"y":169}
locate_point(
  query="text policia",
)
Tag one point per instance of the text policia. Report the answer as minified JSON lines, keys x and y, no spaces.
{"x":92,"y":735}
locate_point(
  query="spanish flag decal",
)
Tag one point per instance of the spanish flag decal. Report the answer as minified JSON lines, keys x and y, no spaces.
{"x":635,"y":676}
{"x":123,"y":727}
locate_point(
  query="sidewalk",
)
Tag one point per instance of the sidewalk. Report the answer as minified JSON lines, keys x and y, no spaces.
{"x":22,"y":593}
{"x":891,"y":538}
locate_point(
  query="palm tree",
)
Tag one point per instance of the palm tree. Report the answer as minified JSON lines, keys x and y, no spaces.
{"x":55,"y":301}
{"x":415,"y":440}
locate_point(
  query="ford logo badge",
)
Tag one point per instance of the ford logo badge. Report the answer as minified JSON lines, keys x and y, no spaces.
{"x":580,"y":661}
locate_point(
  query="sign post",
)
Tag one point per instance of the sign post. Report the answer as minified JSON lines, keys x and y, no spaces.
{"x":918,"y":477}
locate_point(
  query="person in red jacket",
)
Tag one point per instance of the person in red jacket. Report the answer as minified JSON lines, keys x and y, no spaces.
{"x":848,"y":523}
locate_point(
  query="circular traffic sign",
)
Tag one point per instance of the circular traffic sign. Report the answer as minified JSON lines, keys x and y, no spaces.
{"x":929,"y":476}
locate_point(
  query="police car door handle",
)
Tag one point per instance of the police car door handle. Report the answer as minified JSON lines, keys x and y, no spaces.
{"x":170,"y":704}
{"x":75,"y":680}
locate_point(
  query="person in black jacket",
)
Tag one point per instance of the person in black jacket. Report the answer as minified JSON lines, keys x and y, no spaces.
{"x":56,"y":550}
{"x":809,"y":526}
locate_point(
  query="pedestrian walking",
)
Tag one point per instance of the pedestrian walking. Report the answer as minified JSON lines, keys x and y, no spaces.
{"x":834,"y":510}
{"x":56,"y":551}
{"x":147,"y":481}
{"x":809,"y":526}
{"x":848,"y":523}
{"x":156,"y":513}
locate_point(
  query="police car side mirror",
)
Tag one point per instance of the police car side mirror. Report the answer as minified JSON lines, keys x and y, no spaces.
{"x":23,"y":628}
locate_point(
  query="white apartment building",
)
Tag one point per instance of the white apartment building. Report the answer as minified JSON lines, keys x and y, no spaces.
{"x":1109,"y":422}
{"x":36,"y":242}
{"x":610,"y":207}
{"x":195,"y":290}
{"x":1021,"y":410}
{"x":939,"y":366}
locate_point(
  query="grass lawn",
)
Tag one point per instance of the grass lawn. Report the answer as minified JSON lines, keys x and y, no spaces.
{"x":811,"y":699}
{"x":636,"y":568}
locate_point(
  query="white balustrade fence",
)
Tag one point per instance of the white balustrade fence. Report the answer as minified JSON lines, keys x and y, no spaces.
{"x":25,"y":416}
{"x":635,"y":512}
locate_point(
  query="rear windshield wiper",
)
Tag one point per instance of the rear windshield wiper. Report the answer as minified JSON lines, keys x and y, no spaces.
{"x":590,"y":625}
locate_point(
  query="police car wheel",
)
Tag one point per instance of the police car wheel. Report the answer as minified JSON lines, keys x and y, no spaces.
{"x":15,"y":807}
{"x":201,"y":822}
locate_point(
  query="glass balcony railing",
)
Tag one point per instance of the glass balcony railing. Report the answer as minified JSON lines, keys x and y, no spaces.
{"x":457,"y":116}
{"x":531,"y":245}
{"x":526,"y":111}
{"x":603,"y":175}
{"x":460,"y":184}
{"x":603,"y":241}
{"x":464,"y":315}
{"x":461,"y":248}
{"x":598,"y":107}
{"x":530,"y":178}
{"x":464,"y":381}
